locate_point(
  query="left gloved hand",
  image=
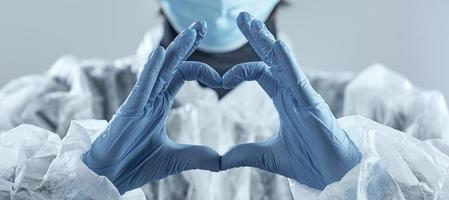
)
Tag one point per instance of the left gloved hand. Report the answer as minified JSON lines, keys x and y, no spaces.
{"x":135,"y":148}
{"x":310,"y":146}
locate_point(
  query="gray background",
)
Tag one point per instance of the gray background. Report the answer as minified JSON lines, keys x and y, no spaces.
{"x":409,"y":36}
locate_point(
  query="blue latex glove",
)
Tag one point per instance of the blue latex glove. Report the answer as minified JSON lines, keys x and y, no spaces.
{"x":310,"y":146}
{"x":134,"y":149}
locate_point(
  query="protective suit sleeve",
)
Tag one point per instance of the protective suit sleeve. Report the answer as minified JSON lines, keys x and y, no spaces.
{"x":36,"y":164}
{"x":394,"y":165}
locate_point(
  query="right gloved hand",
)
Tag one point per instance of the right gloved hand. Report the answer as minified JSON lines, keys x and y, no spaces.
{"x":310,"y":146}
{"x":135,"y":149}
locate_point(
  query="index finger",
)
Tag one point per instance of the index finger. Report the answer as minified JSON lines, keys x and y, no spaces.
{"x":201,"y":28}
{"x":296,"y":79}
{"x":258,"y":35}
{"x":141,"y":91}
{"x":176,"y":53}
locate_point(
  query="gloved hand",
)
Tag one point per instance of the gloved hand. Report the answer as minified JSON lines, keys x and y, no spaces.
{"x":310,"y":146}
{"x":134,"y":149}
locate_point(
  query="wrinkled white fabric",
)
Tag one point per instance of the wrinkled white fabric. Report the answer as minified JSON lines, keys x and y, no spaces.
{"x":387,"y":97}
{"x":395,"y":165}
{"x":81,"y":90}
{"x":36,"y":164}
{"x":25,"y":154}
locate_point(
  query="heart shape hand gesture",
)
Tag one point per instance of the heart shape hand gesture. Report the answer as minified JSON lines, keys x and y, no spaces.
{"x":310,"y":147}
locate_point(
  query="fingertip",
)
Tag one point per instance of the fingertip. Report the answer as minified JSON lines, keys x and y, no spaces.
{"x":214,"y":161}
{"x":213,"y":78}
{"x":228,"y":80}
{"x":232,"y":158}
{"x":244,"y":17}
{"x":218,"y":80}
{"x":245,"y":155}
{"x":200,"y":27}
{"x":223,"y":165}
{"x":203,"y":157}
{"x":237,"y":74}
{"x":224,"y":161}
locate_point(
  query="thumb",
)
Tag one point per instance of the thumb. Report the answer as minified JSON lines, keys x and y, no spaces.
{"x":258,"y":155}
{"x":197,"y":157}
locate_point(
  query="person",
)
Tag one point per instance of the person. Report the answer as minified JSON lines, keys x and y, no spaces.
{"x":136,"y":146}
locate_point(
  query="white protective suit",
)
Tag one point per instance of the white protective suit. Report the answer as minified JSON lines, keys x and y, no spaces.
{"x":37,"y":164}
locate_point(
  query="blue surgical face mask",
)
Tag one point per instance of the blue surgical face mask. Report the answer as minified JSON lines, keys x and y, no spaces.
{"x":223,"y":34}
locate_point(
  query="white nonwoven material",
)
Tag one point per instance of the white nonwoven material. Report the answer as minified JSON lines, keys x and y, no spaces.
{"x":25,"y":154}
{"x":36,"y":164}
{"x":395,"y":165}
{"x":407,"y":156}
{"x":385,"y":96}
